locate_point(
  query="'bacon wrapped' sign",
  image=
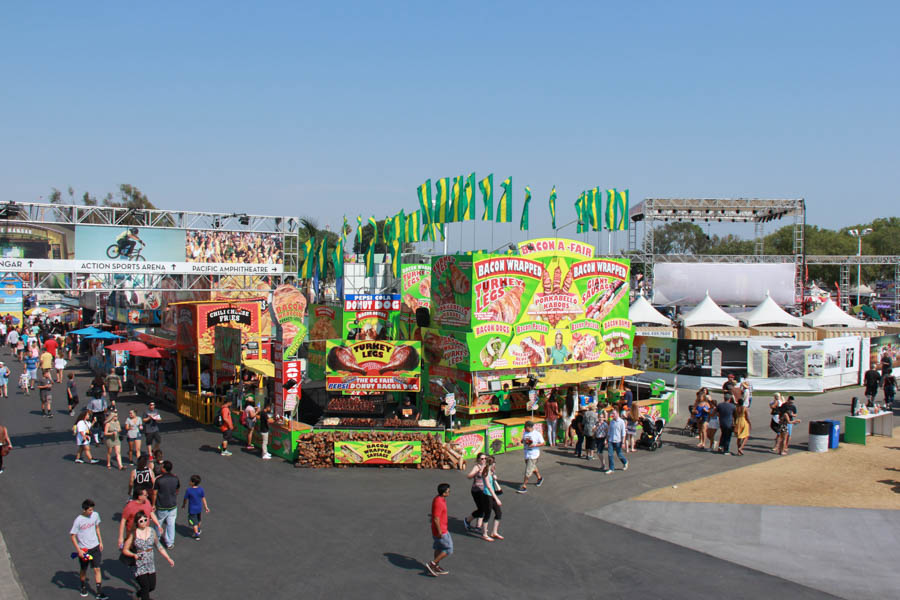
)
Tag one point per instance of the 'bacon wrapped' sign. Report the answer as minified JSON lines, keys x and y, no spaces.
{"x":372,"y":366}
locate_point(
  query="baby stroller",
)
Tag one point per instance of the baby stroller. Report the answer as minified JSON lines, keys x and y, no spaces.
{"x":651,"y":434}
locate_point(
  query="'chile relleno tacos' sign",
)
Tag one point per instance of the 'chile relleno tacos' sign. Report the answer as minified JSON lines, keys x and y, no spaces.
{"x":373,"y":366}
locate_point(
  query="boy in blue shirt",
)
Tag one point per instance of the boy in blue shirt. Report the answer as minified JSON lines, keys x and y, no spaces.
{"x":31,"y":363}
{"x":195,"y":499}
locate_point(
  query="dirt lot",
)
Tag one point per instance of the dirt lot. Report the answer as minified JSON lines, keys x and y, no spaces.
{"x":852,"y":476}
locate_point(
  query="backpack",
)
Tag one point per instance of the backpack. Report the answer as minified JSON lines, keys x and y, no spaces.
{"x":244,"y":418}
{"x":219,"y":421}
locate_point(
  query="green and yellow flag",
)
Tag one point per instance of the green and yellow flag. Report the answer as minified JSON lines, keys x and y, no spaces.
{"x":397,"y":226}
{"x":424,"y":192}
{"x":458,"y":199}
{"x":553,"y":206}
{"x":396,"y":267}
{"x":523,"y":223}
{"x":359,"y":232}
{"x":337,"y":257}
{"x":595,"y":204}
{"x":581,"y":213}
{"x":322,"y":257}
{"x":412,"y":228}
{"x":622,"y":211}
{"x":487,"y":195}
{"x":469,"y":198}
{"x":370,"y":259}
{"x":387,"y":233}
{"x":374,"y":225}
{"x":442,"y":201}
{"x":309,"y":262}
{"x":504,"y":207}
{"x":609,"y":220}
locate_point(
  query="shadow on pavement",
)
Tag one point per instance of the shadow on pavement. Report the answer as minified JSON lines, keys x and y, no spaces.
{"x":892,"y":482}
{"x":404,"y":562}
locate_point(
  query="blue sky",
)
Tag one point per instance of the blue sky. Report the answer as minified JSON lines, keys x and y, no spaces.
{"x":324,"y":109}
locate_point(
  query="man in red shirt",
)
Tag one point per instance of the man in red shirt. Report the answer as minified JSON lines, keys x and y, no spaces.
{"x":50,"y":345}
{"x":141,"y":503}
{"x":226,"y":427}
{"x":443,"y":543}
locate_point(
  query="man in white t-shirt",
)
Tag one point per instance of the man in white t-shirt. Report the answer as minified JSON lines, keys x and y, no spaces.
{"x":85,"y":534}
{"x":532,"y":440}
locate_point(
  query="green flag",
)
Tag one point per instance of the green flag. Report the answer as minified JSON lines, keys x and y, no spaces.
{"x":523,"y":223}
{"x":359,"y":232}
{"x":504,"y":207}
{"x":337,"y":257}
{"x":581,"y":213}
{"x":322,"y":257}
{"x":374,"y":225}
{"x":487,"y":195}
{"x":553,"y":206}
{"x":344,"y":228}
{"x":469,"y":198}
{"x":458,"y":198}
{"x":622,"y":211}
{"x":387,"y":233}
{"x":412,"y":227}
{"x":370,"y":259}
{"x":609,"y":221}
{"x":396,"y":267}
{"x":309,"y":261}
{"x":398,"y":223}
{"x":594,"y":201}
{"x":442,"y":200}
{"x":424,"y":192}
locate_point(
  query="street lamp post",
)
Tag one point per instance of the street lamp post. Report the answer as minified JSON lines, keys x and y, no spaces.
{"x":858,"y":234}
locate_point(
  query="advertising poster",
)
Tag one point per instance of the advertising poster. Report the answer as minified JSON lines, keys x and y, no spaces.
{"x":369,"y":316}
{"x":324,"y":323}
{"x":416,"y":286}
{"x":99,"y":242}
{"x":37,"y":241}
{"x":712,"y":358}
{"x":289,"y":306}
{"x":786,"y":359}
{"x":196,"y":323}
{"x":11,"y":298}
{"x":553,"y":304}
{"x":373,"y":366}
{"x":237,"y":287}
{"x":653,"y":353}
{"x":451,"y":287}
{"x":249,"y":248}
{"x":227,"y":344}
{"x":470,"y":443}
{"x":883,"y":350}
{"x":378,"y":453}
{"x":842,"y":358}
{"x":448,"y":359}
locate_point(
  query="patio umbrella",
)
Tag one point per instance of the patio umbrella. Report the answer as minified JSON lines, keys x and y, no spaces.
{"x":130,"y":346}
{"x":103,"y":335}
{"x":151,"y":353}
{"x":86,"y":331}
{"x":37,"y":310}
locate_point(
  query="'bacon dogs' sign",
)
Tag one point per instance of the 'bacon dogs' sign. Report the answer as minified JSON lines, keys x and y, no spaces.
{"x":372,"y":366}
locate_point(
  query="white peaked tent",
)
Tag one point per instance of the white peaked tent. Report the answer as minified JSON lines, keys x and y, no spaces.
{"x":641,"y":311}
{"x":708,"y":313}
{"x":769,"y":313}
{"x":829,"y":314}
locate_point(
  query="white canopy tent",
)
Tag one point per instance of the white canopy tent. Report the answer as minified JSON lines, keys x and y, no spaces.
{"x":708,"y":313}
{"x":829,"y":315}
{"x":641,"y":311}
{"x":769,"y":313}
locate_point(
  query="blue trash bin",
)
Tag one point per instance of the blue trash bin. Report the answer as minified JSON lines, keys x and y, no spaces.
{"x":834,"y":435}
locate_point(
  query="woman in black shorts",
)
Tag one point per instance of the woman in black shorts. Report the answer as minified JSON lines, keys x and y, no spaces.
{"x":142,"y":477}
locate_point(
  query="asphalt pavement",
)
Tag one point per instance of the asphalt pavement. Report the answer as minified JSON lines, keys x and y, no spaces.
{"x":363,"y":532}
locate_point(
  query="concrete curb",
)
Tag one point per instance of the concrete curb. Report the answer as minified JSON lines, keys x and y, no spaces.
{"x":10,"y":588}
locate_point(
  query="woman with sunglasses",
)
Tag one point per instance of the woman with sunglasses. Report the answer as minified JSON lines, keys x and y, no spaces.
{"x":139,"y":546}
{"x":482,"y":501}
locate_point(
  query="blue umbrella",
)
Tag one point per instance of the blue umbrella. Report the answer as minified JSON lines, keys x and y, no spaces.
{"x":86,"y":331}
{"x":103,"y":335}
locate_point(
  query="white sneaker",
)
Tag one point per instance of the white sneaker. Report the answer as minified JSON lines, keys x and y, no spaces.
{"x":266,"y":456}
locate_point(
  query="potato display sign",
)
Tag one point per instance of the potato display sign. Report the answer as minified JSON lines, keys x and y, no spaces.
{"x":372,"y":366}
{"x":554,"y":303}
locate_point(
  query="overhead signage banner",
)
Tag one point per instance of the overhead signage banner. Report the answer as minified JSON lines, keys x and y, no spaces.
{"x":416,"y":286}
{"x":374,"y":366}
{"x":46,"y":265}
{"x":324,"y":322}
{"x":196,"y":323}
{"x":378,"y":453}
{"x":368,"y":316}
{"x":554,"y":303}
{"x":289,"y":305}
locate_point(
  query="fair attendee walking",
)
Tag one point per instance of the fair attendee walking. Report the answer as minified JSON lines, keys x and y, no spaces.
{"x":46,"y":360}
{"x":83,"y":438}
{"x":141,"y":477}
{"x":712,"y":427}
{"x":888,"y":384}
{"x":741,"y":427}
{"x":226,"y":426}
{"x":151,"y":419}
{"x":111,"y":430}
{"x":24,"y":383}
{"x":139,"y":504}
{"x":532,"y":440}
{"x":71,"y":394}
{"x":166,"y":500}
{"x":133,"y":428}
{"x":97,"y":406}
{"x":113,"y":387}
{"x":747,"y":392}
{"x":775,"y":421}
{"x":85,"y":536}
{"x":31,"y":365}
{"x":443,"y":543}
{"x":482,"y":502}
{"x":589,"y":426}
{"x":4,"y":380}
{"x":600,"y":434}
{"x":140,"y":545}
{"x":630,"y":431}
{"x":266,"y":418}
{"x":701,"y":415}
{"x":491,"y":484}
{"x":248,"y":420}
{"x":725,"y":410}
{"x":551,"y":416}
{"x":577,"y":427}
{"x":59,"y":365}
{"x":787,"y":420}
{"x":614,"y":440}
{"x":195,"y":499}
{"x":871,"y":381}
{"x":5,"y":445}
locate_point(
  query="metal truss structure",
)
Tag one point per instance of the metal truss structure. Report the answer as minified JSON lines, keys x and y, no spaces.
{"x":30,"y":213}
{"x":653,"y":211}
